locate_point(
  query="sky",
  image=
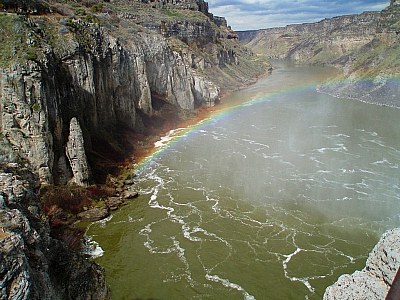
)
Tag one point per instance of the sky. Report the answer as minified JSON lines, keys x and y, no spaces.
{"x":258,"y":14}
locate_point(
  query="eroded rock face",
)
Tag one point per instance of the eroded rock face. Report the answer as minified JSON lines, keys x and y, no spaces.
{"x":23,"y":120}
{"x":103,"y":84}
{"x":33,"y":265}
{"x":374,"y":281}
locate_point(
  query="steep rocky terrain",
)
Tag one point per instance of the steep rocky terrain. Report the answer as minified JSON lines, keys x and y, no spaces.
{"x":33,"y":264}
{"x":112,"y":66}
{"x":374,"y":281}
{"x":365,"y":46}
{"x":76,"y":79}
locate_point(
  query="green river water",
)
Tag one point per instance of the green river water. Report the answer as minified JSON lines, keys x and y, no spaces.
{"x":273,"y":197}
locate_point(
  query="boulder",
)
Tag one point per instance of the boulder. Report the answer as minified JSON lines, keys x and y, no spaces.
{"x":374,"y":281}
{"x":129,"y":194}
{"x":94,"y":214}
{"x":114,"y":202}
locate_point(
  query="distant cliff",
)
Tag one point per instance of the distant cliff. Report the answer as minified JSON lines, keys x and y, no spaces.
{"x":331,"y":41}
{"x":365,"y":46}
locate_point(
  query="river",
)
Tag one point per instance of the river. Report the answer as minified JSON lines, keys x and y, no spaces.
{"x":273,"y":197}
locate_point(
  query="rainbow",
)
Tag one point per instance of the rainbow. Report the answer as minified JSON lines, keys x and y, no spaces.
{"x":224,"y":112}
{"x":231,"y":106}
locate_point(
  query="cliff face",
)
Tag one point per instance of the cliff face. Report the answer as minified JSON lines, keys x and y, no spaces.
{"x":330,"y":41}
{"x":364,"y":46}
{"x":73,"y":80}
{"x":374,"y":281}
{"x":101,"y":86}
{"x":322,"y":42}
{"x":33,"y":264}
{"x":108,"y":76}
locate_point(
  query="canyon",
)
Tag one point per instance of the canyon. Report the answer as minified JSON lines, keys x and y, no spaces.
{"x":79,"y":77}
{"x":75,"y":78}
{"x":364,"y":46}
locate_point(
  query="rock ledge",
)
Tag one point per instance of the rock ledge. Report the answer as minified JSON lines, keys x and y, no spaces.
{"x":374,"y":281}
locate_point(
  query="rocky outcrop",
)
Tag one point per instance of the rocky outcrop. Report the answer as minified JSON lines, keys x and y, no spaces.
{"x":374,"y":281}
{"x":191,"y":22}
{"x":107,"y":83}
{"x":33,"y":264}
{"x":382,"y":89}
{"x":76,"y":154}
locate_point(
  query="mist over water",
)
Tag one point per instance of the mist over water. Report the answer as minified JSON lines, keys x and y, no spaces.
{"x":274,"y":198}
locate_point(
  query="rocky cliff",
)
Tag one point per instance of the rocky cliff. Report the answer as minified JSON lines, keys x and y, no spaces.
{"x":364,"y":46}
{"x":374,"y":281}
{"x":324,"y":42}
{"x":110,"y":67}
{"x":33,"y":264}
{"x":331,"y":41}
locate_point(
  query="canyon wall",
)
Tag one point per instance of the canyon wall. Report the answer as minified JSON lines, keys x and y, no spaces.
{"x":33,"y":264}
{"x":109,"y":72}
{"x":77,"y":78}
{"x":102,"y":86}
{"x":365,"y":47}
{"x":332,"y":41}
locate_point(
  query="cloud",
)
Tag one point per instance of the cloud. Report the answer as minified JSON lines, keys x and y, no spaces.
{"x":257,"y":14}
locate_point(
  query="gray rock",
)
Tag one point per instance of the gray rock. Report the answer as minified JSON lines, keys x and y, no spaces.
{"x":129,"y":182}
{"x":374,"y":281}
{"x":75,"y":151}
{"x":34,"y":265}
{"x":114,"y":202}
{"x":94,"y":214}
{"x":129,"y":194}
{"x":106,"y":86}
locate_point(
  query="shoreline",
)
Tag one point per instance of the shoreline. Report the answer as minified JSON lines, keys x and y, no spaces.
{"x":147,"y":143}
{"x":144,"y":146}
{"x":349,"y":98}
{"x":122,"y":183}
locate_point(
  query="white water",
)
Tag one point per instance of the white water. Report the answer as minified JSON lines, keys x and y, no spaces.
{"x":272,"y":200}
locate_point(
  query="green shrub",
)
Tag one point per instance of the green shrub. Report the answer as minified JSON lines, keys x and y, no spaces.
{"x":31,"y":54}
{"x":97,"y":8}
{"x":36,"y":107}
{"x":80,"y":11}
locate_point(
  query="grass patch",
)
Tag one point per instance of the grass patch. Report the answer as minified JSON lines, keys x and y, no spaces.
{"x":11,"y":37}
{"x":14,"y":37}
